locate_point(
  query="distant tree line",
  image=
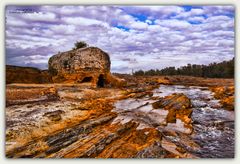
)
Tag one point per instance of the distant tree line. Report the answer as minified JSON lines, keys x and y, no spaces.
{"x":224,"y":69}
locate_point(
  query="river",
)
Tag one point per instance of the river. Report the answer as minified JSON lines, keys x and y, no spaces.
{"x":213,"y":126}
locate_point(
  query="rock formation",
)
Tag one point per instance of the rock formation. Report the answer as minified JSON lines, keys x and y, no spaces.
{"x":226,"y":96}
{"x":178,"y":106}
{"x":69,"y":121}
{"x":85,"y":65}
{"x":89,"y":64}
{"x":16,"y":74}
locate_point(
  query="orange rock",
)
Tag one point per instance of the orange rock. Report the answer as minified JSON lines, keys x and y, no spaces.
{"x":164,"y":81}
{"x":226,"y":96}
{"x":178,"y":106}
{"x":17,"y":74}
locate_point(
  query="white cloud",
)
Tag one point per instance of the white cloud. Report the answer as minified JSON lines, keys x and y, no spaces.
{"x":196,"y":12}
{"x":174,"y":23}
{"x":11,"y":21}
{"x":218,"y":10}
{"x":197,"y":35}
{"x":63,"y":29}
{"x":157,"y":28}
{"x":139,"y":25}
{"x":196,"y":19}
{"x":159,"y":39}
{"x":218,"y":18}
{"x":40,"y":16}
{"x":222,"y":33}
{"x":156,"y":11}
{"x":84,"y":21}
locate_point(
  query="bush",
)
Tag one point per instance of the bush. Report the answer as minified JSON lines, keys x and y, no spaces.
{"x":80,"y":44}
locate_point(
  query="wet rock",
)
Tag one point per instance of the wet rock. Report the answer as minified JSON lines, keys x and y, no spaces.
{"x":142,"y":94}
{"x":166,"y":132}
{"x":228,"y":102}
{"x":178,"y":106}
{"x":171,"y":117}
{"x":177,"y":148}
{"x":158,"y":104}
{"x":226,"y":96}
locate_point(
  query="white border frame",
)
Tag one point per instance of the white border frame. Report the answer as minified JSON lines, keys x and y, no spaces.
{"x":3,"y":3}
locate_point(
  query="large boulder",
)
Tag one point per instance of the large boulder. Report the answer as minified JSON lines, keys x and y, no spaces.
{"x":89,"y":64}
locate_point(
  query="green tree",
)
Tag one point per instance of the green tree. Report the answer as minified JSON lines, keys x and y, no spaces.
{"x":139,"y":73}
{"x":223,"y":69}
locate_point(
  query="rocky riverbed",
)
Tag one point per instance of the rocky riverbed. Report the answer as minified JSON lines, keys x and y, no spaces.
{"x":149,"y":118}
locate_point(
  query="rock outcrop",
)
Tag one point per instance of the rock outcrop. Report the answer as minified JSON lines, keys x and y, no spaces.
{"x":78,"y":121}
{"x":89,"y":64}
{"x":178,"y":106}
{"x":17,"y":74}
{"x":226,"y":96}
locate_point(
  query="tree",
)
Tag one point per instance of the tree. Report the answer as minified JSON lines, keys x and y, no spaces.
{"x":223,"y":69}
{"x":80,"y":44}
{"x":139,"y":73}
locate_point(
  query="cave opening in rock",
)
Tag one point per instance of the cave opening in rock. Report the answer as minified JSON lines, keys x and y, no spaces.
{"x":101,"y":81}
{"x":86,"y":79}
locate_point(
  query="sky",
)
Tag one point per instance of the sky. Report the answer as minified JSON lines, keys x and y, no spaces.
{"x":135,"y":37}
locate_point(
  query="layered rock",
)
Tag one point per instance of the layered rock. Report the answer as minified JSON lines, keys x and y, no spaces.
{"x":226,"y":96}
{"x":17,"y":74}
{"x":89,"y":64}
{"x":82,"y":128}
{"x":178,"y":106}
{"x":71,"y":121}
{"x":18,"y":94}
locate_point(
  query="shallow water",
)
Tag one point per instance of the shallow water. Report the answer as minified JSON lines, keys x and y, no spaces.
{"x":213,"y":126}
{"x":140,"y":111}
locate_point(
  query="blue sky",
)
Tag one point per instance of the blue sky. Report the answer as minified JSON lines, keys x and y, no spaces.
{"x":136,"y":37}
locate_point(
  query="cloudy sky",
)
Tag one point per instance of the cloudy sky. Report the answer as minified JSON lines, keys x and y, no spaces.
{"x":136,"y":37}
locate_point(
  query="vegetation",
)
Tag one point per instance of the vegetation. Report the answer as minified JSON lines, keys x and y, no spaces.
{"x":224,"y":69}
{"x":80,"y":44}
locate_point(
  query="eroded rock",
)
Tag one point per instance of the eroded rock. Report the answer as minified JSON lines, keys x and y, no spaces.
{"x":225,"y":95}
{"x":54,"y":115}
{"x":89,"y":64}
{"x":178,"y":106}
{"x":17,"y":74}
